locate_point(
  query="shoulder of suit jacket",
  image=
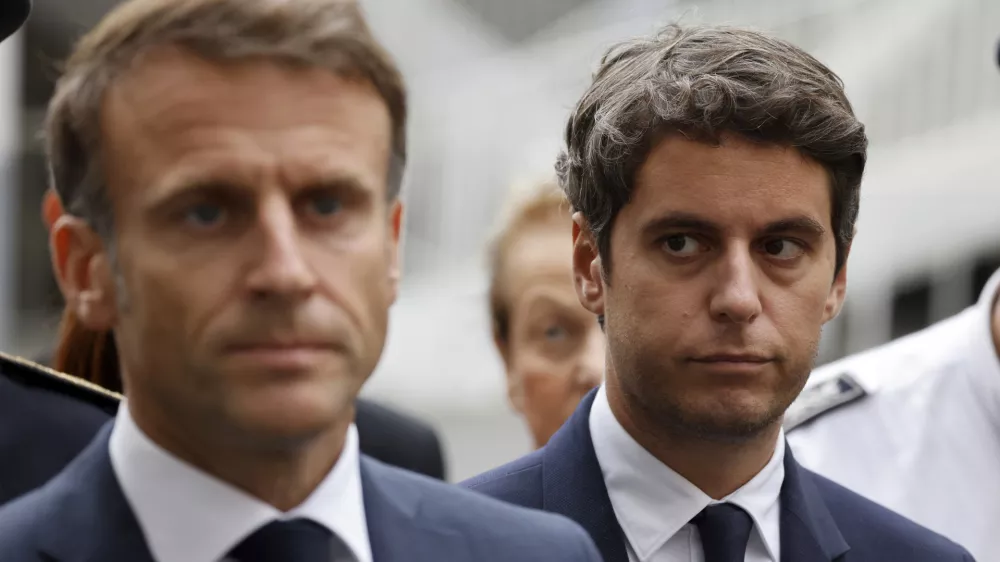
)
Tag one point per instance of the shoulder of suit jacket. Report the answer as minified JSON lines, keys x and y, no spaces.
{"x":32,"y":374}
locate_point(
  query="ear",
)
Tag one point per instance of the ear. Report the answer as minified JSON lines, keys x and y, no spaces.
{"x":83,"y":271}
{"x":52,"y":208}
{"x":395,"y":230}
{"x":838,"y":291}
{"x":588,"y":277}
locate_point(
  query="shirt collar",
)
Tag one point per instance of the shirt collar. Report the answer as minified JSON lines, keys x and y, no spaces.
{"x":186,"y":514}
{"x":640,"y":487}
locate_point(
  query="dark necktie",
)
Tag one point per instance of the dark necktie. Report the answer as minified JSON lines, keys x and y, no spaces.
{"x":725,"y":530}
{"x":297,"y":540}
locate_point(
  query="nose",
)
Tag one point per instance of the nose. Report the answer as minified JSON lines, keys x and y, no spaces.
{"x":281,"y":268}
{"x":736,"y":295}
{"x":590,"y":370}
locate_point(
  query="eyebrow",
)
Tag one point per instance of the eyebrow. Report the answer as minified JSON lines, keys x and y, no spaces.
{"x":690,"y":221}
{"x":544,"y":298}
{"x":345,"y":183}
{"x":228,"y":184}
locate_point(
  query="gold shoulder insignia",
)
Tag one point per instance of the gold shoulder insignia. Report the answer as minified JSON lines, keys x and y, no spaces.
{"x":32,"y":374}
{"x":822,"y":398}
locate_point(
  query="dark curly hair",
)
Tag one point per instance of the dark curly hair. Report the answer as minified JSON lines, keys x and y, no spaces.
{"x":704,"y":81}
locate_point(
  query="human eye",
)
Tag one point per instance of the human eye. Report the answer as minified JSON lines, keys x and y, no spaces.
{"x":324,"y":204}
{"x":783,"y":249}
{"x":204,"y":214}
{"x":555,"y":333}
{"x":683,"y":245}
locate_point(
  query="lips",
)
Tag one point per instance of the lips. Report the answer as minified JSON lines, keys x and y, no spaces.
{"x":733,"y":364}
{"x":287,"y":345}
{"x":732,"y":358}
{"x":281,"y":355}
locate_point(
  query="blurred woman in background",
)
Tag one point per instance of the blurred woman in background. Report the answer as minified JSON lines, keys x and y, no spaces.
{"x":552,"y":348}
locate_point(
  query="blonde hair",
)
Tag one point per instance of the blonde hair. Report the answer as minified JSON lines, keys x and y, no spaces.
{"x":328,"y":34}
{"x":542,"y":202}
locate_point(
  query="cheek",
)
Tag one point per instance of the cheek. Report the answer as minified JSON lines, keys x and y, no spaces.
{"x":357,"y":281}
{"x":798,"y":313}
{"x":179,"y":299}
{"x":656,"y":309}
{"x":545,"y":383}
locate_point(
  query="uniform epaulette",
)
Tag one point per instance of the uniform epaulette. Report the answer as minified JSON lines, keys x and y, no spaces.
{"x":822,"y":398}
{"x":32,"y":374}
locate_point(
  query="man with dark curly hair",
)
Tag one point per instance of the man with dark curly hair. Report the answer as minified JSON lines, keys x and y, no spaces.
{"x":715,"y":173}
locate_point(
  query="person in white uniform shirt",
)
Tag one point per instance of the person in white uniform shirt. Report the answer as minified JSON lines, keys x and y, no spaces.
{"x":915,"y":425}
{"x":231,"y":170}
{"x":715,"y":174}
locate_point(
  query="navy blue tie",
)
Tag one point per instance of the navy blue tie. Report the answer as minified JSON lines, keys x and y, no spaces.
{"x":725,"y":530}
{"x":297,"y":540}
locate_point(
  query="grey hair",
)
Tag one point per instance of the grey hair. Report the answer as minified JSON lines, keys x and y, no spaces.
{"x":330,"y":34}
{"x":704,"y":81}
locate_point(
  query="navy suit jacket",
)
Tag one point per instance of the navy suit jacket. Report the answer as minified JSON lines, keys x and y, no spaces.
{"x":82,"y":516}
{"x":820,"y":520}
{"x":46,"y":431}
{"x":399,"y":439}
{"x":46,"y":419}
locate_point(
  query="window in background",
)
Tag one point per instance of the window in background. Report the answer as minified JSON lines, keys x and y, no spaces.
{"x":983,"y":268}
{"x":911,"y":307}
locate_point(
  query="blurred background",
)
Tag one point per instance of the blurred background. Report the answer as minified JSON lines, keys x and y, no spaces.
{"x":491,"y":83}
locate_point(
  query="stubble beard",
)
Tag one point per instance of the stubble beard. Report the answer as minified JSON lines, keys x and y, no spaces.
{"x":690,"y":420}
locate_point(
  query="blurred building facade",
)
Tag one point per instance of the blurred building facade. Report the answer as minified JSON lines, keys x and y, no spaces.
{"x":492,"y":82}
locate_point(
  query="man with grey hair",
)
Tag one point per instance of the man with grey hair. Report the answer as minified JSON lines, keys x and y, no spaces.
{"x":231,"y":172}
{"x":715,"y":173}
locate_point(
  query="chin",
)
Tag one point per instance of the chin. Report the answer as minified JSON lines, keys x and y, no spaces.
{"x":293,"y":415}
{"x":726,"y":418}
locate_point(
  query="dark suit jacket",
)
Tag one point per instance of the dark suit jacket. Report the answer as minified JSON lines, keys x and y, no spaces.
{"x":45,"y":421}
{"x":385,"y":434}
{"x":83,"y":516}
{"x":400,"y":440}
{"x":820,"y":521}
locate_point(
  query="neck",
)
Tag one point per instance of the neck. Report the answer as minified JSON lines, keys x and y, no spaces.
{"x":717,"y":467}
{"x":282,"y":473}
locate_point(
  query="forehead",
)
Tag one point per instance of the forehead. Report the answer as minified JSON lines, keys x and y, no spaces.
{"x":173,"y":109}
{"x":540,"y":255}
{"x":737,"y":183}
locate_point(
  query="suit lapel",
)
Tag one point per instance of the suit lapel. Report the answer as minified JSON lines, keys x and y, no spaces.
{"x":396,"y":530}
{"x":91,"y":520}
{"x":573,"y":485}
{"x":808,"y":531}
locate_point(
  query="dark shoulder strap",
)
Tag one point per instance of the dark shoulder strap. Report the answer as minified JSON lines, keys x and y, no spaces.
{"x":32,"y":374}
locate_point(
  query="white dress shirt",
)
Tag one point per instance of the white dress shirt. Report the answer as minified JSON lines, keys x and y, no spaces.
{"x":924,"y":440}
{"x":187,"y":515}
{"x":654,"y":505}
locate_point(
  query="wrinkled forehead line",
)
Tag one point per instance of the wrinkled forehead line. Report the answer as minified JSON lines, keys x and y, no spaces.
{"x":127,"y":110}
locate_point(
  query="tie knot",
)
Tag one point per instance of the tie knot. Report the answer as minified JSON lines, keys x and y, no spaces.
{"x":724,"y":529}
{"x":298,"y":540}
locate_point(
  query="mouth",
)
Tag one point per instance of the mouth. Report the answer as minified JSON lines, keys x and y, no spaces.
{"x":735,"y":363}
{"x":732,"y":358}
{"x":281,"y":356}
